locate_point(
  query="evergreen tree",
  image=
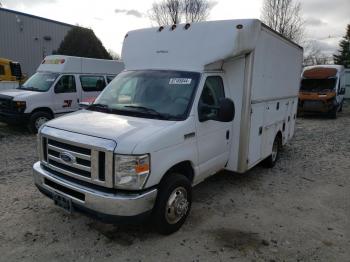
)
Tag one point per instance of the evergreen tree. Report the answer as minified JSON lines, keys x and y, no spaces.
{"x":343,"y":55}
{"x":82,"y":42}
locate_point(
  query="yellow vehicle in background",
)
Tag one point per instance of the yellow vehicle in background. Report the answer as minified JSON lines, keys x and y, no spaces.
{"x":10,"y":74}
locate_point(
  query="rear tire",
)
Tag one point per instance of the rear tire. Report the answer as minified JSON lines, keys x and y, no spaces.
{"x":173,"y":204}
{"x":37,"y":119}
{"x":333,"y":114}
{"x":276,"y":148}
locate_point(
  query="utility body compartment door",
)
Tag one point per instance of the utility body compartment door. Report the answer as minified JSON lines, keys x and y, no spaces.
{"x":213,"y":136}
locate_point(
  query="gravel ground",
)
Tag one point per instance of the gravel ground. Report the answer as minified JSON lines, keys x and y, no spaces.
{"x":297,"y":211}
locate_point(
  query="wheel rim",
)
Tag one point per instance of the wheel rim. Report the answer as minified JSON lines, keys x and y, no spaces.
{"x":177,"y":205}
{"x":275,"y":150}
{"x":40,"y":121}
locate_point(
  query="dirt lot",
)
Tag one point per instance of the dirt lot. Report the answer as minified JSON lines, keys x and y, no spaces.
{"x":297,"y":211}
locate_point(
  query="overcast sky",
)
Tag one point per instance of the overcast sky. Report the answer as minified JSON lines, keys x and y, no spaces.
{"x":326,"y":20}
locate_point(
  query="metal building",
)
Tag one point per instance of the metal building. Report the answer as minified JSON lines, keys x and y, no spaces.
{"x":28,"y":39}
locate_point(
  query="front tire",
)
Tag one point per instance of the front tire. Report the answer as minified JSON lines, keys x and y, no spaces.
{"x":37,"y":119}
{"x":173,"y":203}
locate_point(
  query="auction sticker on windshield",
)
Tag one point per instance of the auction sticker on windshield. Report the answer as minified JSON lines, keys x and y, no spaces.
{"x":180,"y":81}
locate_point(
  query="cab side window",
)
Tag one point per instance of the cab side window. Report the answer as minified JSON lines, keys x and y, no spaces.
{"x":92,"y":83}
{"x":209,"y":102}
{"x":66,"y":84}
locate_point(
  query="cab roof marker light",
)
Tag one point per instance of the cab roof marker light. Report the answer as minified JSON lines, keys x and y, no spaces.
{"x":187,"y":26}
{"x":160,"y":29}
{"x":240,"y":26}
{"x":173,"y":27}
{"x":126,"y":35}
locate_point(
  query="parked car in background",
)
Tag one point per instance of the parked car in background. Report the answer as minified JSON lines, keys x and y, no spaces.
{"x":10,"y":74}
{"x":347,"y":83}
{"x":194,"y":99}
{"x":57,"y":87}
{"x":322,"y":90}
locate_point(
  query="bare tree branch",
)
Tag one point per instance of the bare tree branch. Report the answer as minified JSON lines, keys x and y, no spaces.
{"x":168,"y":12}
{"x":284,"y":16}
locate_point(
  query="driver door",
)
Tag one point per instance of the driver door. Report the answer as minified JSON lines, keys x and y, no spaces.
{"x":65,"y":95}
{"x":213,"y":136}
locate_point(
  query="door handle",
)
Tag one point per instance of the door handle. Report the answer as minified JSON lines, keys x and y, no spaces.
{"x":227,"y":134}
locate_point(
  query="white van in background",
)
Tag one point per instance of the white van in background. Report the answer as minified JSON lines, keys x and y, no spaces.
{"x":57,"y":87}
{"x":347,"y":83}
{"x":194,"y":99}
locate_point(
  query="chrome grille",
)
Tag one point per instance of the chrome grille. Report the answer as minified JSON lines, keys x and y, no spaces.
{"x":87,"y":164}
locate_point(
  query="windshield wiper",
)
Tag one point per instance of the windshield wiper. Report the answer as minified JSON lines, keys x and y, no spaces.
{"x":151,"y":111}
{"x":31,"y":88}
{"x":101,"y":107}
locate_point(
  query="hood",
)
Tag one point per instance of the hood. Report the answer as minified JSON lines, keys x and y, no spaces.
{"x":126,"y":131}
{"x":19,"y":93}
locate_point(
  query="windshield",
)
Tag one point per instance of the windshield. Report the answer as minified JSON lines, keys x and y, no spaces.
{"x":40,"y":82}
{"x":151,"y":94}
{"x":317,"y":85}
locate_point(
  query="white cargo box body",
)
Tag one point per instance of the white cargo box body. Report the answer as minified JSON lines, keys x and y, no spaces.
{"x":261,"y":69}
{"x":79,"y":65}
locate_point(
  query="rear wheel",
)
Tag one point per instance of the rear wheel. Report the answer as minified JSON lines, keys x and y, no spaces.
{"x":173,"y":204}
{"x":333,"y":113}
{"x":37,"y":119}
{"x":276,"y":148}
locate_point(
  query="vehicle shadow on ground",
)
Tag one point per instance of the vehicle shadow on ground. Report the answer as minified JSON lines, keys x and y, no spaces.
{"x":214,"y":187}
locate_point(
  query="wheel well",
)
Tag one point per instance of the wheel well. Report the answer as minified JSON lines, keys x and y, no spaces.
{"x":43,"y":109}
{"x":279,"y":135}
{"x":185,"y":168}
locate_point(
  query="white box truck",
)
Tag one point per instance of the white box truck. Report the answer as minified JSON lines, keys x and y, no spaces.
{"x":58,"y":86}
{"x":194,"y":99}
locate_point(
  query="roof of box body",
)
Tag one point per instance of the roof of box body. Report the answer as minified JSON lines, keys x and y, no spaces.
{"x":72,"y":64}
{"x":190,"y":49}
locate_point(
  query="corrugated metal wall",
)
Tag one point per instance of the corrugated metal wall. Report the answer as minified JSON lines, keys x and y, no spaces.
{"x":24,"y":38}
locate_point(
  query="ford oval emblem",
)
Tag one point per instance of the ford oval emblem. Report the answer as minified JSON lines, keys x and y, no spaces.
{"x":67,"y":157}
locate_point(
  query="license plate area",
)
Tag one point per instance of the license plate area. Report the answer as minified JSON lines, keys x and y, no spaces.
{"x":63,"y":202}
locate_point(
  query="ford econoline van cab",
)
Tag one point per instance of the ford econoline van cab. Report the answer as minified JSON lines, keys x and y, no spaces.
{"x":59,"y":84}
{"x":194,"y":99}
{"x":322,"y":90}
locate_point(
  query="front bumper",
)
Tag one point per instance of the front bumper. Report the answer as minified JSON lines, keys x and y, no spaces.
{"x":108,"y":207}
{"x":13,"y":117}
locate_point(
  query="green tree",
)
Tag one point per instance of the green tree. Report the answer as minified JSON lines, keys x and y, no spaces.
{"x":343,"y":55}
{"x":82,"y":42}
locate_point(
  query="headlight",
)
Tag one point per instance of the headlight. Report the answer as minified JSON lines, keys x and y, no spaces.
{"x":131,"y":172}
{"x":20,"y":106}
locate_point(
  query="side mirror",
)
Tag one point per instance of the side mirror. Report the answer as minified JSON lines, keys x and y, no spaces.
{"x":226,"y":110}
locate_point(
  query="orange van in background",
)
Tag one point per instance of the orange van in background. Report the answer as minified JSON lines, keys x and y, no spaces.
{"x":322,"y":90}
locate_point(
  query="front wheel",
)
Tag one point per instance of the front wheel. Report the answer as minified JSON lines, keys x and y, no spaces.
{"x":173,"y":203}
{"x":37,"y":119}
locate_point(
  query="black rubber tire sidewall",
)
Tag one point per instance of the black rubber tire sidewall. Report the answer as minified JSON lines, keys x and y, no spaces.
{"x":166,"y":187}
{"x":34,"y":117}
{"x":269,"y":162}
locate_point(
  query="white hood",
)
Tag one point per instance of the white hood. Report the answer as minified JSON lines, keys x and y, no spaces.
{"x":19,"y":93}
{"x":126,"y":131}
